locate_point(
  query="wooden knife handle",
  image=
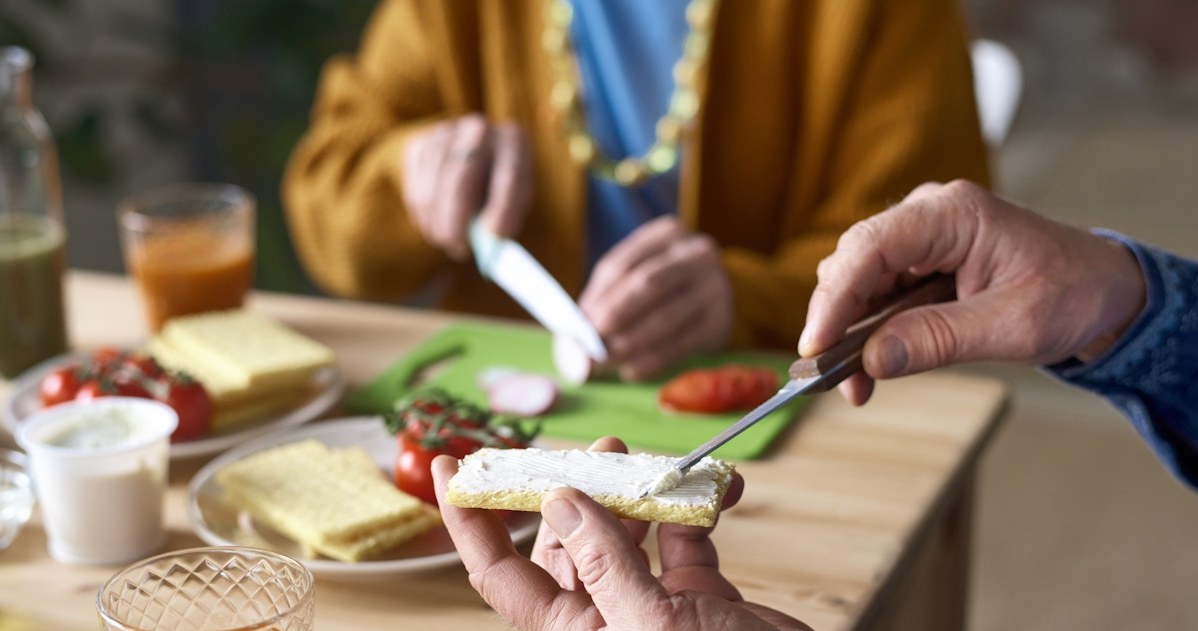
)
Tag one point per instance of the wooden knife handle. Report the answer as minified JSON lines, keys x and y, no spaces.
{"x":842,"y":360}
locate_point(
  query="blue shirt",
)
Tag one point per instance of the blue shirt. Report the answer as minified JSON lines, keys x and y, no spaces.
{"x":1151,"y":373}
{"x":626,"y":51}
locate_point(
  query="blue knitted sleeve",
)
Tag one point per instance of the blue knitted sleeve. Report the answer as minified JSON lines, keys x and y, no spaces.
{"x":1151,"y":373}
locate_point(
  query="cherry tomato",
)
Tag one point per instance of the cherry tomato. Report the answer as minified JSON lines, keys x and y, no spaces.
{"x":93,"y":389}
{"x":194,"y":406}
{"x":716,"y":390}
{"x":60,"y":385}
{"x":413,"y":469}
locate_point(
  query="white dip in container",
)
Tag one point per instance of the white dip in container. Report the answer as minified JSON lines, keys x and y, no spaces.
{"x":100,"y":470}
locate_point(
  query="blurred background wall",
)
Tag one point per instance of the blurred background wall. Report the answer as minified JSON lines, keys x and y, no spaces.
{"x":146,"y":92}
{"x":1078,"y":526}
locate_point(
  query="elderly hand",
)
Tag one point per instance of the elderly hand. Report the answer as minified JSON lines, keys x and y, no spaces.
{"x":463,"y":167}
{"x":658,"y":296}
{"x":1029,"y":289}
{"x":588,"y":570}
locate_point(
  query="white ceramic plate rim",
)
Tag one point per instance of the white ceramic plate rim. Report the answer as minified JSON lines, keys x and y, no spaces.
{"x":329,"y":380}
{"x":362,"y":431}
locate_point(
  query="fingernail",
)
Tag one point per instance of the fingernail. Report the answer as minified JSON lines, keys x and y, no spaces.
{"x":893,"y":354}
{"x":562,"y":517}
{"x":804,"y":339}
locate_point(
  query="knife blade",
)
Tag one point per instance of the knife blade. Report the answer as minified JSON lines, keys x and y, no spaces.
{"x":816,"y":374}
{"x":510,"y":266}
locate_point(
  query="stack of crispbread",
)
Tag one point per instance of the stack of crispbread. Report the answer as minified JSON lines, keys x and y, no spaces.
{"x":250,"y":364}
{"x":331,"y":502}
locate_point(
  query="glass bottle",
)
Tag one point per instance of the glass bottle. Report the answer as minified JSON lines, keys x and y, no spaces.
{"x":32,"y":234}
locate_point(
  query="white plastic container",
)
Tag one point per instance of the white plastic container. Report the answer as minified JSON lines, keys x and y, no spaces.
{"x":100,"y":470}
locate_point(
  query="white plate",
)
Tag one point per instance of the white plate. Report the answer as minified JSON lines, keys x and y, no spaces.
{"x":218,"y":524}
{"x":327,"y":386}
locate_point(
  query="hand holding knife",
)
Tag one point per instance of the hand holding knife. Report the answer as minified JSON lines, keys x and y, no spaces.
{"x":819,"y":373}
{"x":510,"y":266}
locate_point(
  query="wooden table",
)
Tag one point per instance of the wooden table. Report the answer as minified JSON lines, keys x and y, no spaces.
{"x":858,"y":519}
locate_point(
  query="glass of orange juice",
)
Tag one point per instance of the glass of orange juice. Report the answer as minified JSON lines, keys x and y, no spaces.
{"x":190,"y":247}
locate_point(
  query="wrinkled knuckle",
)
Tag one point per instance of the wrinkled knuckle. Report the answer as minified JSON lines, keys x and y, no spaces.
{"x":705,"y":245}
{"x":824,"y":267}
{"x":641,"y":283}
{"x":473,"y":120}
{"x":944,"y":343}
{"x":962,"y":188}
{"x":670,"y":225}
{"x":606,"y":268}
{"x":594,"y":565}
{"x":659,"y":322}
{"x":478,"y":580}
{"x":863,"y":234}
{"x":603,"y":319}
{"x":648,"y":277}
{"x":927,"y":188}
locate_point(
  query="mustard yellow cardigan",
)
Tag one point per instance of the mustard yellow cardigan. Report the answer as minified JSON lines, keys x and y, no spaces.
{"x":815,"y":114}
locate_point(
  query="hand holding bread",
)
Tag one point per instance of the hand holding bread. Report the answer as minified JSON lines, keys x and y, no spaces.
{"x":588,"y":570}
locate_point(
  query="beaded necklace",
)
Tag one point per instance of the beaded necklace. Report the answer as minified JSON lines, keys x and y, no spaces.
{"x":565,"y":95}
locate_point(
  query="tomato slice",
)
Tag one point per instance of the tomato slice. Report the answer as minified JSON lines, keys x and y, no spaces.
{"x":717,"y":390}
{"x":693,"y":391}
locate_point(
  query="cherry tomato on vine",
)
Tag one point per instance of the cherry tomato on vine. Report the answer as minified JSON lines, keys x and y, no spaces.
{"x":413,"y":469}
{"x":60,"y":385}
{"x":109,"y":372}
{"x":194,"y":406}
{"x":433,"y":423}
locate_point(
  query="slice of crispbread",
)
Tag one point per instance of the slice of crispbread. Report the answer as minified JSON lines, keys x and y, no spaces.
{"x":245,"y":350}
{"x":232,"y":417}
{"x":383,"y":540}
{"x":335,"y":502}
{"x":518,"y":479}
{"x":222,"y":389}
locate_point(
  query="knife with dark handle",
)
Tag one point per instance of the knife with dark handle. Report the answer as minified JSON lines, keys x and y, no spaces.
{"x":819,"y":373}
{"x":838,"y":363}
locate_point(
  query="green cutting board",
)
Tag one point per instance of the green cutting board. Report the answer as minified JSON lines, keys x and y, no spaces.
{"x":601,"y":407}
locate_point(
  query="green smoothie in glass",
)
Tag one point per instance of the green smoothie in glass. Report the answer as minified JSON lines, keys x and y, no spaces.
{"x":32,"y":262}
